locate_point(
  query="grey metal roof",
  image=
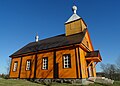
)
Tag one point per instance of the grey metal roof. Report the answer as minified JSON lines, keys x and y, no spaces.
{"x":50,"y":43}
{"x":73,"y":18}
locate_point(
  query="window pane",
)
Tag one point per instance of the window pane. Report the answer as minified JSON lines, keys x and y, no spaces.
{"x":45,"y":63}
{"x":67,"y":61}
{"x":28,"y":65}
{"x":65,"y":66}
{"x":15,"y":66}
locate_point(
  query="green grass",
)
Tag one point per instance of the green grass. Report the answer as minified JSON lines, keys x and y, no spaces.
{"x":13,"y":82}
{"x":116,"y":83}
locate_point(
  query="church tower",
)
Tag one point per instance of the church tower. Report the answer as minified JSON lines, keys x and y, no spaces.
{"x":74,"y":24}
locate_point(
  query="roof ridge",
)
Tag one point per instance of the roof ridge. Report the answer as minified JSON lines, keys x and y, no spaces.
{"x":52,"y":42}
{"x":48,"y":38}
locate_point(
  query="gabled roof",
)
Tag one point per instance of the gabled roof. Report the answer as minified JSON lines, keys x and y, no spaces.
{"x":73,"y":18}
{"x":50,"y":43}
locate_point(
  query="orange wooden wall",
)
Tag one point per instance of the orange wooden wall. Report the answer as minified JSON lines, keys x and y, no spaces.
{"x":15,"y":74}
{"x":62,"y":73}
{"x":83,"y":64}
{"x":27,"y":73}
{"x":40,"y":73}
{"x":66,"y":72}
{"x":75,"y":27}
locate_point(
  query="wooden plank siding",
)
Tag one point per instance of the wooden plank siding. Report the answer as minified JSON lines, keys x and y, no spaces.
{"x":66,"y":72}
{"x":76,"y":70}
{"x":87,"y":42}
{"x":27,"y":73}
{"x":94,"y":69}
{"x":83,"y":64}
{"x":75,"y":27}
{"x":15,"y":74}
{"x":40,"y":73}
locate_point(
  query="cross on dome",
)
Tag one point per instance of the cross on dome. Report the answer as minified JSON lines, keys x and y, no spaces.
{"x":36,"y":38}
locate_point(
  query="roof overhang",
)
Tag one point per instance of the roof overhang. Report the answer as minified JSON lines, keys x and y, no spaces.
{"x":72,"y":46}
{"x":93,"y":56}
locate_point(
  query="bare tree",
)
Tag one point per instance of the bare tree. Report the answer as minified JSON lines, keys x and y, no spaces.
{"x":118,"y":63}
{"x":8,"y":65}
{"x":112,"y":70}
{"x":109,"y":70}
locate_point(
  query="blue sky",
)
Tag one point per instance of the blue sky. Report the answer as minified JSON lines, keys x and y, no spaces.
{"x":20,"y":20}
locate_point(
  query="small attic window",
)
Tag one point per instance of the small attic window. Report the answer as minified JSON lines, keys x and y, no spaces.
{"x":87,"y":44}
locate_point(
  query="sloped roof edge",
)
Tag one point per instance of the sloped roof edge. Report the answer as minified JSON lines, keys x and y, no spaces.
{"x":50,"y":43}
{"x":73,"y":18}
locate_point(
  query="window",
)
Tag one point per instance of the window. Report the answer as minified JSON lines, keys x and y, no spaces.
{"x":87,"y":44}
{"x":67,"y":61}
{"x":28,"y":65}
{"x":15,"y":66}
{"x":45,"y":63}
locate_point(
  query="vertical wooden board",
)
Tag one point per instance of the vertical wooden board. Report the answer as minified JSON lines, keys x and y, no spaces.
{"x":87,"y":42}
{"x":84,"y":41}
{"x":74,"y":27}
{"x":77,"y":28}
{"x":78,"y":61}
{"x":27,"y":73}
{"x":78,"y":25}
{"x":40,"y":73}
{"x":15,"y":74}
{"x":83,"y":64}
{"x":66,"y":72}
{"x":94,"y":69}
{"x":83,"y":25}
{"x":67,"y":29}
{"x":90,"y":71}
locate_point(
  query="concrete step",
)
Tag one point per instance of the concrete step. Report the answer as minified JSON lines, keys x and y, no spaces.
{"x":100,"y":77}
{"x":87,"y":82}
{"x":92,"y":79}
{"x":104,"y":81}
{"x":101,"y":80}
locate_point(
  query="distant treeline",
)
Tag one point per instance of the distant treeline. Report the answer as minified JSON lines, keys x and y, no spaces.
{"x":5,"y":76}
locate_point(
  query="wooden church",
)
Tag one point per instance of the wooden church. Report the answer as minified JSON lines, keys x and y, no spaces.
{"x":66,"y":56}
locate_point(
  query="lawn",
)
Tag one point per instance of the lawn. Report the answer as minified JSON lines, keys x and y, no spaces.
{"x":11,"y":82}
{"x":14,"y":82}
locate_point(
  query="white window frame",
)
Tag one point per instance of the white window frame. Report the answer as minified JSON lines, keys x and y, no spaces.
{"x":15,"y":66}
{"x":45,"y":63}
{"x":66,"y":61}
{"x":28,"y":65}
